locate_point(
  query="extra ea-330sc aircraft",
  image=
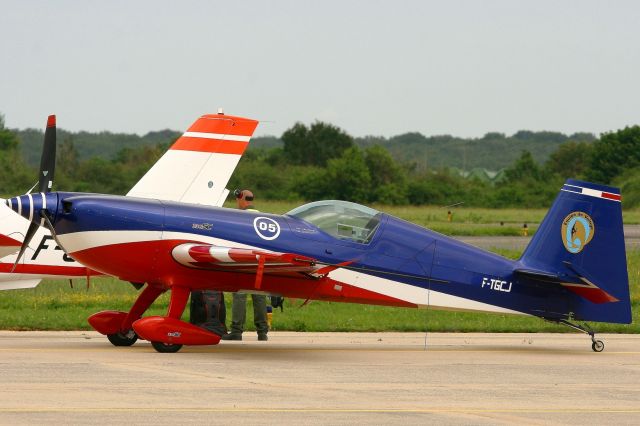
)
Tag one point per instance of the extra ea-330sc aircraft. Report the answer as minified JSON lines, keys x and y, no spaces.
{"x":574,"y":268}
{"x":44,"y":259}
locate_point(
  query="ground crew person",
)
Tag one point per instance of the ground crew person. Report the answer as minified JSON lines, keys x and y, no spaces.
{"x":244,"y":200}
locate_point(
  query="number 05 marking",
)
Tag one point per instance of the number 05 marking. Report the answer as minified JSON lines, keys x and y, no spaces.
{"x":266,"y":228}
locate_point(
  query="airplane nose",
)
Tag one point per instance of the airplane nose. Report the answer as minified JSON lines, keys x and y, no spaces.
{"x":30,"y":205}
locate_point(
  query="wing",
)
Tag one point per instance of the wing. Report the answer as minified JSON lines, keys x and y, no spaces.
{"x":198,"y":165}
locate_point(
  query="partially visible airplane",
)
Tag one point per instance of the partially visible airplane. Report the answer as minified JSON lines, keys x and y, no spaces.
{"x":189,"y":172}
{"x":573,"y":269}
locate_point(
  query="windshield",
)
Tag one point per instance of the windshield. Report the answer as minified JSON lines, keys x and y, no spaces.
{"x":341,"y":219}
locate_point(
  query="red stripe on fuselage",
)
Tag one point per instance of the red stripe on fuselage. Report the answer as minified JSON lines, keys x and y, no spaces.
{"x":151,"y":262}
{"x":63,"y":271}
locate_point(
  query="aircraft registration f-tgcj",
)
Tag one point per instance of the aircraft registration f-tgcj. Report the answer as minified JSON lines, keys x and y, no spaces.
{"x":573,"y":269}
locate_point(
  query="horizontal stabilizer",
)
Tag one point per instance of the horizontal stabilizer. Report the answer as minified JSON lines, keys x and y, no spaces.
{"x":579,"y":284}
{"x":17,"y":285}
{"x":8,"y":245}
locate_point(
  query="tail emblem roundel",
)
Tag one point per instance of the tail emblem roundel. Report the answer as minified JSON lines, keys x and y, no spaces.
{"x":577,"y":231}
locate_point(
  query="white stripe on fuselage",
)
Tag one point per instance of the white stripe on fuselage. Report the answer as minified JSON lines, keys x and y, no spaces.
{"x":409,"y":293}
{"x":78,"y":241}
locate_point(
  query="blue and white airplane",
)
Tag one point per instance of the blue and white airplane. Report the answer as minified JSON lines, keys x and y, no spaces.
{"x":574,"y":269}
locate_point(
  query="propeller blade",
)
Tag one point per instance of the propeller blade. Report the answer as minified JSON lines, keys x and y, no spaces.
{"x":44,"y":213}
{"x":33,"y":227}
{"x":48,"y":159}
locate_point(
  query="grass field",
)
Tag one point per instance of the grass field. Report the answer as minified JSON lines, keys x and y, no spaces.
{"x":54,"y":305}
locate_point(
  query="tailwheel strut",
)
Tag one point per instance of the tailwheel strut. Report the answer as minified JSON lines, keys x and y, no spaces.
{"x":596,"y":345}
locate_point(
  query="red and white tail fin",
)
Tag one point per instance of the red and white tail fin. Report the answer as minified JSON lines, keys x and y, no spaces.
{"x":197,"y":167}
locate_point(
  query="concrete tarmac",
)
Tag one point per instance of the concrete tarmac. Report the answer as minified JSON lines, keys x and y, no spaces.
{"x":322,"y":378}
{"x":631,"y":240}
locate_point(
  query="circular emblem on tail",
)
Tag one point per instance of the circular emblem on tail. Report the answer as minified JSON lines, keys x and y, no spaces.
{"x":577,"y":231}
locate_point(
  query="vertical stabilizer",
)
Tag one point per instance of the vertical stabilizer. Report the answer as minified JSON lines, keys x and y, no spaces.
{"x":580,"y":243}
{"x":198,"y":165}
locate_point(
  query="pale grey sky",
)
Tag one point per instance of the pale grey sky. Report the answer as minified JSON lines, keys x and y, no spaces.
{"x":370,"y":67}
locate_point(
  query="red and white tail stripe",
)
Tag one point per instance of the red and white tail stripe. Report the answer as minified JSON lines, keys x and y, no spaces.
{"x":197,"y":167}
{"x":591,"y":192}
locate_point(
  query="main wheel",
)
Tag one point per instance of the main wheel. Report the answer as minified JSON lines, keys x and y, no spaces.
{"x":123,"y":339}
{"x":597,"y":346}
{"x":166,"y":348}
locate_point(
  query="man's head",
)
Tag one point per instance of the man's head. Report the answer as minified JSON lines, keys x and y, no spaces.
{"x":244,"y":198}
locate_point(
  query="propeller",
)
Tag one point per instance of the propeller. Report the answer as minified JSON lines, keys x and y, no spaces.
{"x":45,"y":181}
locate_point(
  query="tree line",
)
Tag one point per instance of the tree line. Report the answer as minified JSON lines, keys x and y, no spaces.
{"x":320,"y":160}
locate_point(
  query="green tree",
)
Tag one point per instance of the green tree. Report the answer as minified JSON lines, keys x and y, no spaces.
{"x":614,"y":153}
{"x":8,"y":139}
{"x":348,"y":177}
{"x":525,"y":168}
{"x":315,"y":145}
{"x":570,"y":160}
{"x":388,"y":178}
{"x":15,"y":176}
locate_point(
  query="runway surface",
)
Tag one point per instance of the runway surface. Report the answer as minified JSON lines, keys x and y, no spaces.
{"x":631,"y":240}
{"x":322,"y":378}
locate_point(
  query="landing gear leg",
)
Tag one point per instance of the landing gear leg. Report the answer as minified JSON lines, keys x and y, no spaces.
{"x":596,"y":345}
{"x":127,"y":337}
{"x":177,"y":303}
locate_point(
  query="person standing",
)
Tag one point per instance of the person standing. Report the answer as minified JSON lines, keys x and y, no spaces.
{"x":244,"y":200}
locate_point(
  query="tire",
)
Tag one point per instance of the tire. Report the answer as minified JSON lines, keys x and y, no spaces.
{"x":123,"y":339}
{"x":166,"y":348}
{"x":597,"y":346}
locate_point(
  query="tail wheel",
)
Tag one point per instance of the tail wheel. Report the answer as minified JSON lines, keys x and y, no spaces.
{"x":597,"y":346}
{"x":123,"y":339}
{"x":166,"y":348}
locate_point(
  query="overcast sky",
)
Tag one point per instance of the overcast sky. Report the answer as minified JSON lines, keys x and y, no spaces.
{"x":370,"y":67}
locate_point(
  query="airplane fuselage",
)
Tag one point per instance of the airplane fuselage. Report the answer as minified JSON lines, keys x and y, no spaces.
{"x":402,"y":265}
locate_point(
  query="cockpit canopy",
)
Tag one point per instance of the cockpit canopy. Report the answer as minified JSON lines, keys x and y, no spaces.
{"x":341,"y":219}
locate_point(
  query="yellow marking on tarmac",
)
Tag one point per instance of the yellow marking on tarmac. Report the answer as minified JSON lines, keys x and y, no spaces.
{"x":320,"y":410}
